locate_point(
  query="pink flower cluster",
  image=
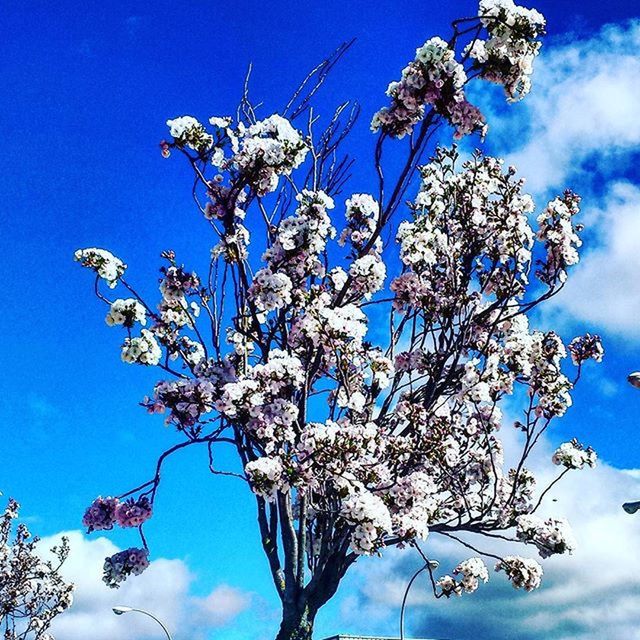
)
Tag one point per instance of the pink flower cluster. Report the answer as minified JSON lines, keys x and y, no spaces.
{"x":434,"y":78}
{"x":118,"y":567}
{"x":178,"y":283}
{"x":100,"y":515}
{"x":103,"y":513}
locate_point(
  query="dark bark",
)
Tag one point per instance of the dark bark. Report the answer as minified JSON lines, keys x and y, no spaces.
{"x":297,"y":623}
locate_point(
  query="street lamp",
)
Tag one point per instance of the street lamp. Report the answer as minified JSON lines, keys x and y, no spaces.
{"x":120,"y":610}
{"x":634,"y":381}
{"x":631,"y":507}
{"x":431,"y":565}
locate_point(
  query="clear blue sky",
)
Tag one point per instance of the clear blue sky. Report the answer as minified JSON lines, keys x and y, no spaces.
{"x":87,"y":88}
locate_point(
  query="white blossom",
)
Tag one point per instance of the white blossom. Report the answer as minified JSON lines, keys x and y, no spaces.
{"x":105,"y":264}
{"x":143,"y":349}
{"x":126,"y":312}
{"x":187,"y":131}
{"x":522,"y":572}
{"x":572,"y":455}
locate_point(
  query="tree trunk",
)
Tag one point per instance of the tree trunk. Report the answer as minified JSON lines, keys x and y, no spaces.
{"x":297,"y":624}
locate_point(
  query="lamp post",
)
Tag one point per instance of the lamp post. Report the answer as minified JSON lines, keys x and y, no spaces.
{"x":634,"y":381}
{"x":120,"y":610}
{"x":430,"y":565}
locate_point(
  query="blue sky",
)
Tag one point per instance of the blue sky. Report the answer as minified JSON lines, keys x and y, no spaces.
{"x":87,"y":89}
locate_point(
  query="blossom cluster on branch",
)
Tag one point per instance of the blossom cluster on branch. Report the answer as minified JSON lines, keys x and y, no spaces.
{"x":433,"y":83}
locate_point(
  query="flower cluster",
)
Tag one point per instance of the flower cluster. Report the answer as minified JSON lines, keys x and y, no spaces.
{"x":126,"y":312}
{"x":266,"y":476}
{"x":471,"y":571}
{"x":551,"y":536}
{"x":187,"y":400}
{"x":363,"y":214}
{"x":325,"y":326}
{"x":178,"y":313}
{"x":259,"y":400}
{"x":133,"y":513}
{"x":143,"y":349}
{"x":560,"y":237}
{"x":266,"y":150}
{"x":329,"y":451}
{"x":433,"y":78}
{"x":573,"y":455}
{"x":522,"y":572}
{"x":103,"y":513}
{"x":294,"y":254}
{"x":586,"y":347}
{"x":100,"y":515}
{"x":469,"y":224}
{"x":118,"y":567}
{"x":192,"y":351}
{"x":382,"y":368}
{"x":414,"y":504}
{"x":367,"y":274}
{"x":546,"y":380}
{"x":270,"y":290}
{"x":507,"y":56}
{"x":300,"y":240}
{"x":187,"y":131}
{"x":371,"y":518}
{"x":178,"y":283}
{"x":105,"y":264}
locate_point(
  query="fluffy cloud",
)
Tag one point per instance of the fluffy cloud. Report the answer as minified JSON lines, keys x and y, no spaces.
{"x":222,"y":605}
{"x":583,"y":110}
{"x":587,"y":596}
{"x":581,"y":129}
{"x":610,"y":266}
{"x":162,"y":589}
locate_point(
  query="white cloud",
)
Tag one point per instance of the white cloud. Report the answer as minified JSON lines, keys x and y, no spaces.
{"x":604,"y":289}
{"x":222,"y":605}
{"x":580,"y":128}
{"x":163,"y":589}
{"x":590,"y":595}
{"x":584,"y":107}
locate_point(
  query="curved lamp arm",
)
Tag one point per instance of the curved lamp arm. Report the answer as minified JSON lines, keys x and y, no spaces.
{"x":120,"y":610}
{"x":634,"y":381}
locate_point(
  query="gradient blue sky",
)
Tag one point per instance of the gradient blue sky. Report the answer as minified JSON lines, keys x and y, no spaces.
{"x":86,"y":91}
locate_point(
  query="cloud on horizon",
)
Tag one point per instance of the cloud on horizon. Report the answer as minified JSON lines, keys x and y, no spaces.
{"x":580,"y":123}
{"x":163,"y":589}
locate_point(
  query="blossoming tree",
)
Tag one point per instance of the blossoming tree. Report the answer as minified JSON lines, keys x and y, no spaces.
{"x":354,"y":442}
{"x":32,"y":591}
